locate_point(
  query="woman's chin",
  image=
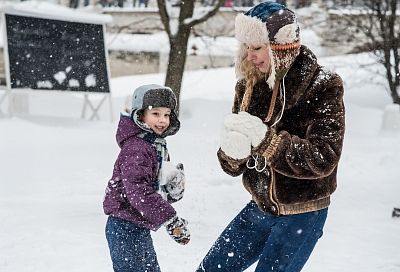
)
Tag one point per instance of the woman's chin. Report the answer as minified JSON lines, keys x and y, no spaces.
{"x":262,"y":69}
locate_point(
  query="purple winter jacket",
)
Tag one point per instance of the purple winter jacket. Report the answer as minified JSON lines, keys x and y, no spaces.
{"x":131,"y":192}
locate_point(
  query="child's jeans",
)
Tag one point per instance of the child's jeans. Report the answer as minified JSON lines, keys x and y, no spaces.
{"x":278,"y":243}
{"x":131,"y":247}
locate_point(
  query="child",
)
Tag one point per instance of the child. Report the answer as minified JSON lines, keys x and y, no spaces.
{"x":143,"y":185}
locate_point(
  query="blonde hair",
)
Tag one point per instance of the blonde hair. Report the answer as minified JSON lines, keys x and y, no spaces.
{"x":251,"y":75}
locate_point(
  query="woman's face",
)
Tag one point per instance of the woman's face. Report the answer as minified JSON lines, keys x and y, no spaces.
{"x":258,"y":55}
{"x":157,"y":119}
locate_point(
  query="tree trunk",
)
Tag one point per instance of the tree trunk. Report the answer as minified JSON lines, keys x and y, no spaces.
{"x":176,"y":63}
{"x":73,"y":4}
{"x":178,"y":40}
{"x":387,"y":21}
{"x":381,"y":29}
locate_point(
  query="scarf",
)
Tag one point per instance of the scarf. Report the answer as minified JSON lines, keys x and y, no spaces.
{"x":160,"y":144}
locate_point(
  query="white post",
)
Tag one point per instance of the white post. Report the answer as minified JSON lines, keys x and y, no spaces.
{"x":111,"y":108}
{"x":108,"y":77}
{"x":7,"y":68}
{"x":391,"y":117}
{"x":3,"y":99}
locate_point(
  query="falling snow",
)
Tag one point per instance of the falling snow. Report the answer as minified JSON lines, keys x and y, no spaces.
{"x":60,"y":77}
{"x":59,"y":164}
{"x":73,"y":83}
{"x":299,"y":231}
{"x":46,"y":84}
{"x":90,"y":80}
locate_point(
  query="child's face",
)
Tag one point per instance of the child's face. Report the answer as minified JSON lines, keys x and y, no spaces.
{"x":157,"y":119}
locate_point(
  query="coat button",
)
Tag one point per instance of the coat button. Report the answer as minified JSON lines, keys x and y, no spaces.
{"x":273,"y":209}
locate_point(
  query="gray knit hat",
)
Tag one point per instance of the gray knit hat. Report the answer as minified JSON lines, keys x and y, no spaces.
{"x":152,"y":96}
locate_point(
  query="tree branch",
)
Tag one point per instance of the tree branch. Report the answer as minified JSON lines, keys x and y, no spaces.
{"x":162,"y":10}
{"x":195,"y":21}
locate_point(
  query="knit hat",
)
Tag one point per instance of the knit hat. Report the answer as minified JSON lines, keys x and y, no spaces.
{"x":152,"y":96}
{"x":273,"y":24}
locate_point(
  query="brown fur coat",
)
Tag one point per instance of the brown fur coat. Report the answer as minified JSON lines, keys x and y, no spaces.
{"x":302,"y":150}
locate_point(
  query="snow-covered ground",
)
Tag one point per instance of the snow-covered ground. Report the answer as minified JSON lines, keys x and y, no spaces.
{"x":54,"y":168}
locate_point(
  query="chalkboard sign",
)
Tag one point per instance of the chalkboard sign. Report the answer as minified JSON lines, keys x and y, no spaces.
{"x":51,"y":54}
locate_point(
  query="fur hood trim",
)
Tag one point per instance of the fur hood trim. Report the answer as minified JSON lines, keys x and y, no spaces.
{"x":250,"y":30}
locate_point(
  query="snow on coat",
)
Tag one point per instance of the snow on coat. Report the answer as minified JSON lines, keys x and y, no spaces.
{"x":298,"y":158}
{"x":131,"y":194}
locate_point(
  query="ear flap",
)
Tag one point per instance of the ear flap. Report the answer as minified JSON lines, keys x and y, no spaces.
{"x":272,"y":75}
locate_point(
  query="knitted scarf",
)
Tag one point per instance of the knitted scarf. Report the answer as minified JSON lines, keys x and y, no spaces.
{"x":160,"y":144}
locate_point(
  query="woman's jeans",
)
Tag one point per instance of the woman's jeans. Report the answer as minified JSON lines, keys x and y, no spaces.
{"x":131,"y":247}
{"x":278,"y":243}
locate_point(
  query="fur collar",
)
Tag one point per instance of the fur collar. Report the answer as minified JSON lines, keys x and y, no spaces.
{"x":300,"y":76}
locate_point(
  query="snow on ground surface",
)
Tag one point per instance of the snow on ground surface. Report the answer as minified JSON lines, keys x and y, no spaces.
{"x":55,"y":166}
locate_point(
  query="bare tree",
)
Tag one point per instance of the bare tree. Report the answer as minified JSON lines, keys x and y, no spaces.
{"x":178,"y":21}
{"x":73,"y":3}
{"x":375,"y":26}
{"x":388,"y":44}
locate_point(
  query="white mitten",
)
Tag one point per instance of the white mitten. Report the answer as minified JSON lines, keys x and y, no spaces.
{"x":247,"y":124}
{"x":236,"y":145}
{"x":172,"y":180}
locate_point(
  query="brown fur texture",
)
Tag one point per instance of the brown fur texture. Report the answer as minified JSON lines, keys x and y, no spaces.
{"x":302,"y":150}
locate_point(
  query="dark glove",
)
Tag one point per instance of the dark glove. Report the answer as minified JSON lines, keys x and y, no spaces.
{"x":176,"y":228}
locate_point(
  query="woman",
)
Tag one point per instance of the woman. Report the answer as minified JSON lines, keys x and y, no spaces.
{"x":285,"y":137}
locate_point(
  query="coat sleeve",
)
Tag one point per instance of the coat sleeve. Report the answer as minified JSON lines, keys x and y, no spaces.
{"x":137,"y":175}
{"x":231,"y":166}
{"x":317,"y":153}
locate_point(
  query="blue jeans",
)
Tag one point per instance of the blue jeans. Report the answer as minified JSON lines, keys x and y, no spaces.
{"x":131,"y":247}
{"x":278,"y":243}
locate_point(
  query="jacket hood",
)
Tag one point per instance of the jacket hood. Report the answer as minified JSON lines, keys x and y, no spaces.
{"x":126,"y":129}
{"x":152,"y":96}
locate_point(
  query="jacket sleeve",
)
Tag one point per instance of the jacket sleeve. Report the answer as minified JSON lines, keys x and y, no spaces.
{"x":317,"y":153}
{"x":231,"y":166}
{"x":137,"y":174}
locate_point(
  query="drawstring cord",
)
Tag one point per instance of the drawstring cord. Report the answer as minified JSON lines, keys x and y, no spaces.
{"x":282,"y":92}
{"x":254,"y":166}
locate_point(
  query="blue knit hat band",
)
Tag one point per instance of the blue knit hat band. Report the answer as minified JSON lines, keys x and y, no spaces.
{"x":264,"y":10}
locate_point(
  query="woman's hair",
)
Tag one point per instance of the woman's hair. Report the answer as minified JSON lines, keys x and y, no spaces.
{"x":251,"y":75}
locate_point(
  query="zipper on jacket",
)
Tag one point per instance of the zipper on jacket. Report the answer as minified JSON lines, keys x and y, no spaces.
{"x":272,"y":192}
